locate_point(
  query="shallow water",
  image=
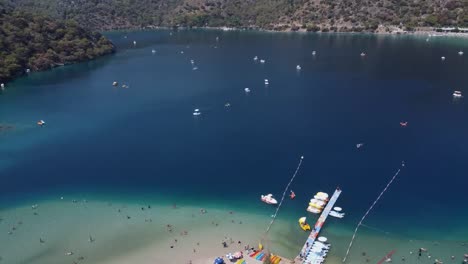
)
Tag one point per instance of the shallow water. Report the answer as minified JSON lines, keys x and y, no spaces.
{"x":137,"y":142}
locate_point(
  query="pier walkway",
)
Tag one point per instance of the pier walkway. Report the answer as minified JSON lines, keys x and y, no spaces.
{"x":318,"y":226}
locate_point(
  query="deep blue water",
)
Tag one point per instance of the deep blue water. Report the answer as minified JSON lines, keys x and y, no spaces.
{"x":144,"y":139}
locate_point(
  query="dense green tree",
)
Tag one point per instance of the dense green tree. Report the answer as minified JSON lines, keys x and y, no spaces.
{"x":36,"y":42}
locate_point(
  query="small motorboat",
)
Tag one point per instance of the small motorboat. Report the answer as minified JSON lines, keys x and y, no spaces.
{"x":338,"y":209}
{"x":134,"y":43}
{"x":115,"y":83}
{"x":192,"y":62}
{"x":460,"y":53}
{"x":403,"y":124}
{"x":303,"y":224}
{"x":322,"y":239}
{"x":153,"y":51}
{"x":40,"y":123}
{"x":292,"y":195}
{"x":336,"y":214}
{"x":313,"y":210}
{"x":267,"y":82}
{"x":269,"y":199}
{"x":227,"y":105}
{"x":457,"y":94}
{"x":442,"y":58}
{"x":196,"y":112}
{"x":262,"y":61}
{"x":298,"y":67}
{"x":247,"y":90}
{"x":359,"y":145}
{"x":195,"y":68}
{"x":255,"y":58}
{"x":314,"y":53}
{"x":363,"y":54}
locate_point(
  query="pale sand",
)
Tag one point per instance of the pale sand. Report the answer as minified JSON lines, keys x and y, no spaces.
{"x":66,"y":226}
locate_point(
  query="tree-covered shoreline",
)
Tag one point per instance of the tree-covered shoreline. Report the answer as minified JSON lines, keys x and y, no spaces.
{"x":30,"y":42}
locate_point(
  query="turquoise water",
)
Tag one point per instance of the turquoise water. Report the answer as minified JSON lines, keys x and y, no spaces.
{"x":144,"y":141}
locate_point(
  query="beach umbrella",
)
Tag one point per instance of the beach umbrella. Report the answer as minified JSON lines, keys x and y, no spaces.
{"x":238,"y":254}
{"x":219,"y":261}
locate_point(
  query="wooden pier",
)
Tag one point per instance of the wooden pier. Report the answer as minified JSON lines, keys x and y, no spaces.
{"x":318,"y":226}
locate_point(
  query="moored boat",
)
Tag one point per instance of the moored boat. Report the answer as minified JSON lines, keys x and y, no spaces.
{"x":269,"y":199}
{"x":303,"y":224}
{"x":457,"y":94}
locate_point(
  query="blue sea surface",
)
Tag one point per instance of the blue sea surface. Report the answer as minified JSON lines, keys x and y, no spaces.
{"x":144,"y":140}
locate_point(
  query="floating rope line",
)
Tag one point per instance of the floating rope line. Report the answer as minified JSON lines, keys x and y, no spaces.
{"x":368,"y":210}
{"x":284,"y":194}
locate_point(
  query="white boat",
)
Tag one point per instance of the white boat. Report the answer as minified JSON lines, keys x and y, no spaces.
{"x":359,"y":145}
{"x":255,"y":58}
{"x":134,"y":42}
{"x":247,"y":90}
{"x":40,"y":122}
{"x":321,"y":196}
{"x":192,"y":62}
{"x":262,"y":61}
{"x":195,"y":68}
{"x":363,"y":54}
{"x":267,"y":82}
{"x":313,"y":210}
{"x":298,"y":67}
{"x":338,"y":209}
{"x":196,"y":112}
{"x":442,"y":58}
{"x":153,"y":51}
{"x":322,"y":239}
{"x":336,"y":214}
{"x":314,"y":53}
{"x":460,"y":53}
{"x":457,"y":94}
{"x":317,"y":203}
{"x":268,"y":199}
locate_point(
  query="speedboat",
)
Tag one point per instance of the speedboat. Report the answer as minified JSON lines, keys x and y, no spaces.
{"x":442,"y":58}
{"x":363,"y":54}
{"x":192,"y":62}
{"x":460,"y":53}
{"x":359,"y":145}
{"x":196,"y":112}
{"x":313,"y":210}
{"x":336,"y":214}
{"x":134,"y":42}
{"x":195,"y":68}
{"x":40,"y":122}
{"x":303,"y":224}
{"x":153,"y":51}
{"x":457,"y":94}
{"x":255,"y":58}
{"x":267,"y":82}
{"x":247,"y":90}
{"x":298,"y":67}
{"x":403,"y":124}
{"x":262,"y":61}
{"x":269,"y":199}
{"x":314,"y":53}
{"x":338,"y":209}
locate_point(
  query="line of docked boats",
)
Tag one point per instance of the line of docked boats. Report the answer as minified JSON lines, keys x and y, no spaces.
{"x":319,"y":202}
{"x":318,"y":252}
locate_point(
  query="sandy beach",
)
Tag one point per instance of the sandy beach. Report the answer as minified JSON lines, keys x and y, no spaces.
{"x":105,"y":232}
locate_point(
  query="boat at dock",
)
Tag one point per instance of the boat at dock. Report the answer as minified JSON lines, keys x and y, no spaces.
{"x":457,"y":94}
{"x":303,"y":224}
{"x":337,"y":214}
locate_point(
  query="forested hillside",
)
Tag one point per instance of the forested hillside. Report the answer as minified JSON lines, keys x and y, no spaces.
{"x":37,"y":43}
{"x":338,"y":15}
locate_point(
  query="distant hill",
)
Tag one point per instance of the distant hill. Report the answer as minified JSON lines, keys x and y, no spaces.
{"x":312,"y":15}
{"x":37,"y":43}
